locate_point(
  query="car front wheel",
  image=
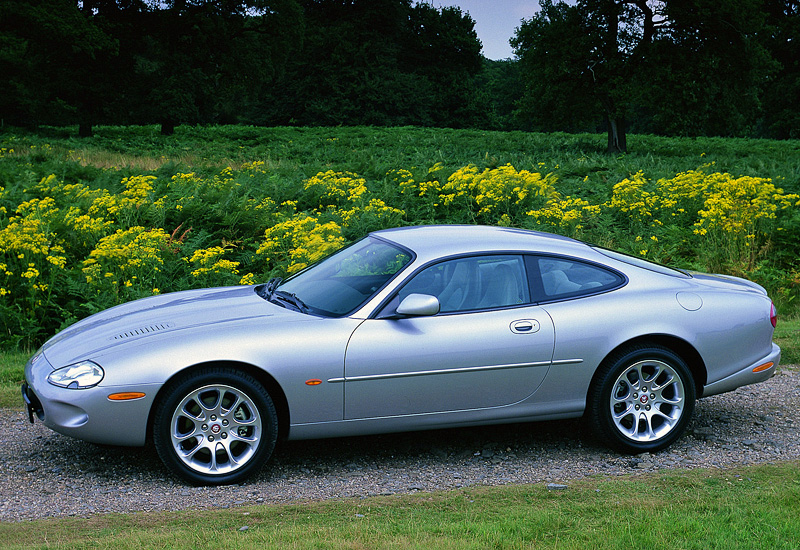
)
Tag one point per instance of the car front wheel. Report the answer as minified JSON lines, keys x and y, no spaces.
{"x":642,"y":399}
{"x":216,"y":426}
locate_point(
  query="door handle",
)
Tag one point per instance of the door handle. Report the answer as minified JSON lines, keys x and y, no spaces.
{"x":525,"y":326}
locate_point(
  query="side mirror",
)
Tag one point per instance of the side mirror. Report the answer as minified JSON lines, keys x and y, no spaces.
{"x":418,"y":305}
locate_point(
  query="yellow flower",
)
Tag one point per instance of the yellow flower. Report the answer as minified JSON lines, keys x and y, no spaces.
{"x":337,"y":187}
{"x":498,"y":191}
{"x":209,"y":261}
{"x":300,"y":241}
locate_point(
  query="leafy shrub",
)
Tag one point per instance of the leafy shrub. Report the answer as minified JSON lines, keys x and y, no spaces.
{"x":80,"y":239}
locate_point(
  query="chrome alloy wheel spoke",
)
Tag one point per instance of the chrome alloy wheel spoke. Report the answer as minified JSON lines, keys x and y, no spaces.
{"x":216,"y":429}
{"x":647,"y":401}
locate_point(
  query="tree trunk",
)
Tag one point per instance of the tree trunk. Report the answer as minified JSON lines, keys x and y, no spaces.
{"x":617,"y":139}
{"x":167,"y":127}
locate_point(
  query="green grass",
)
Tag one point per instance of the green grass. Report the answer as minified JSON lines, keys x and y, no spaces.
{"x":787,"y":336}
{"x":12,"y":366}
{"x":744,"y":508}
{"x":299,"y":153}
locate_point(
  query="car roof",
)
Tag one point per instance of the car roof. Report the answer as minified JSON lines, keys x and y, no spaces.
{"x":432,"y":241}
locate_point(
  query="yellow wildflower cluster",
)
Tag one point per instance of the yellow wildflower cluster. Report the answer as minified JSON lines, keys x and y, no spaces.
{"x":631,"y":197}
{"x":138,"y":190}
{"x":254,"y":168}
{"x":712,"y":201}
{"x":738,"y":205}
{"x":209,"y":261}
{"x":733,"y":215}
{"x":30,"y":234}
{"x":119,"y":237}
{"x":375,"y":214}
{"x":137,"y":193}
{"x":181,"y":180}
{"x":300,"y":241}
{"x":716,"y":200}
{"x":404,"y":180}
{"x":337,"y":188}
{"x":125,"y":254}
{"x":24,"y":235}
{"x":497,"y":191}
{"x":429,"y":187}
{"x":567,"y":215}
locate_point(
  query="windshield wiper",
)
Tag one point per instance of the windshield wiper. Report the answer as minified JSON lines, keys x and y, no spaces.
{"x":292,"y":299}
{"x":266,"y":291}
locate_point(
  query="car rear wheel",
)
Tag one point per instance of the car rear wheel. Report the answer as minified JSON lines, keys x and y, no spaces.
{"x":642,"y":399}
{"x":216,"y":426}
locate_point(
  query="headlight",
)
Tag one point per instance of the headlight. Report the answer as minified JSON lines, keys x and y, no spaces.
{"x":79,"y":376}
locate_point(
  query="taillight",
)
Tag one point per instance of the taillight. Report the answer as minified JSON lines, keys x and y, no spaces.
{"x":773,"y":316}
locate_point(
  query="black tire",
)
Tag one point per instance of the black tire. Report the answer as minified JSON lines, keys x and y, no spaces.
{"x":215,"y":426}
{"x":641,"y":399}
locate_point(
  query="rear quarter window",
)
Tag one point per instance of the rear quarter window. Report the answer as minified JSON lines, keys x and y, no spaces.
{"x":555,"y":278}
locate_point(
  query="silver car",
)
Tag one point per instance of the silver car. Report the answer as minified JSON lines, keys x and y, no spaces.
{"x":408,"y":329}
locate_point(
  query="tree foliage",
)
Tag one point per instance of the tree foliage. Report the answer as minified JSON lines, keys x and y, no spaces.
{"x":667,"y":67}
{"x":312,"y":62}
{"x":671,"y":67}
{"x":48,"y":50}
{"x":781,"y":99}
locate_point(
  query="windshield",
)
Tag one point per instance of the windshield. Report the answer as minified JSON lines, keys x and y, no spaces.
{"x":342,"y":282}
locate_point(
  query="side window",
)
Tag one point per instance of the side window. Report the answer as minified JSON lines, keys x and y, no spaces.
{"x":565,"y":278}
{"x":481,"y":282}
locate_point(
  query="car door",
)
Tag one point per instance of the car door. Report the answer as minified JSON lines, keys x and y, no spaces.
{"x":488,"y":346}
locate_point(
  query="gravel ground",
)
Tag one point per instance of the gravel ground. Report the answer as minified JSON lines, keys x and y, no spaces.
{"x":44,"y":474}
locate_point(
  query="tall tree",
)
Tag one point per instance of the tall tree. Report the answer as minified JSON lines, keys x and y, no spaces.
{"x":553,"y":49}
{"x":619,"y":60}
{"x":380,"y":62}
{"x":46,"y":51}
{"x":500,"y":88}
{"x":441,"y":48}
{"x":347,"y":71}
{"x":781,"y":100}
{"x":709,"y":68}
{"x":208,"y":60}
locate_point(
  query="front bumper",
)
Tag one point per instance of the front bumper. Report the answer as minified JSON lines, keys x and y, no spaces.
{"x":746,"y":375}
{"x":32,"y":403}
{"x":87,"y":414}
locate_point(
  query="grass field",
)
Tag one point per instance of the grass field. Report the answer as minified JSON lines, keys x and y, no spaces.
{"x":208,"y":196}
{"x":743,"y":508}
{"x":86,"y":224}
{"x":301,"y":152}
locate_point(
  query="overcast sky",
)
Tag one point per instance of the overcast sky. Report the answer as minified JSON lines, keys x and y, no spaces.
{"x":495,"y":21}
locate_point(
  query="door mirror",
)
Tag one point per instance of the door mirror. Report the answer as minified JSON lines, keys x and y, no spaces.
{"x":418,"y":305}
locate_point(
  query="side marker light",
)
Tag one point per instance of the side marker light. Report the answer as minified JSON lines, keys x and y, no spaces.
{"x":126,"y":396}
{"x":763,"y":367}
{"x":313,"y":382}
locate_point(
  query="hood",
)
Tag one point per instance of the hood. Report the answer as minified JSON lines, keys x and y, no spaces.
{"x":727,"y":282}
{"x":157,"y":315}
